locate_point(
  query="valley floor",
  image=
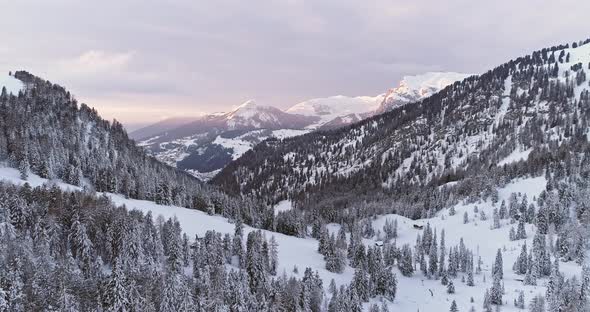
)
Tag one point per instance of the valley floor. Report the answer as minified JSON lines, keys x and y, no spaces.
{"x":416,"y":293}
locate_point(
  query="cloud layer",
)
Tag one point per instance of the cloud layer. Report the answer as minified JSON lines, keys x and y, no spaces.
{"x":139,"y":61}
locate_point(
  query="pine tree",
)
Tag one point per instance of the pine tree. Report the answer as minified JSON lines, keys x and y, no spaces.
{"x":520,"y":301}
{"x":360,"y":282}
{"x":442,"y":253}
{"x":433,"y":257}
{"x":450,"y":288}
{"x":82,"y":248}
{"x":496,"y":291}
{"x":274,"y":256}
{"x":405,"y":261}
{"x":521,"y":265}
{"x":454,"y":307}
{"x":520,"y":232}
{"x":537,"y":304}
{"x":496,"y":219}
{"x":487,"y":301}
{"x":497,"y":268}
{"x":170,"y":294}
{"x":503,"y":212}
{"x":116,"y":297}
{"x":24,"y":168}
{"x":512,"y":234}
{"x":470,"y":281}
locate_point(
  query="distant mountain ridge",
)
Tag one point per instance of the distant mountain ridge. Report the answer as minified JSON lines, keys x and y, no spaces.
{"x":204,"y":145}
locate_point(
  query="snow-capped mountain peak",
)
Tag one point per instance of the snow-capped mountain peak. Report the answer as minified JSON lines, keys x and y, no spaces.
{"x":248,"y":109}
{"x":253,"y":115}
{"x":417,"y":87}
{"x":210,"y":142}
{"x":337,"y":107}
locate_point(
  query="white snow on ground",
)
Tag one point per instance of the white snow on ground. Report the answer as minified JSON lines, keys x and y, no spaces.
{"x":12,"y":84}
{"x":293,"y":251}
{"x":413,"y":292}
{"x":284,"y":205}
{"x":515,"y":156}
{"x":424,"y":85}
{"x":238,"y":146}
{"x":203,"y":176}
{"x":336,"y":106}
{"x":287,"y":133}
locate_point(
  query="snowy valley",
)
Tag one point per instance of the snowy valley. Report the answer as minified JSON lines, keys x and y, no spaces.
{"x":475,"y":196}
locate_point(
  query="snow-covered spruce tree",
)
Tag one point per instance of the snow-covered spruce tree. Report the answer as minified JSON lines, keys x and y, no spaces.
{"x":537,"y":304}
{"x":496,"y":291}
{"x":433,"y":257}
{"x":450,"y":287}
{"x":519,"y":303}
{"x":520,"y":232}
{"x":498,"y":267}
{"x":454,"y":307}
{"x":496,"y":219}
{"x":470,"y":281}
{"x":405,"y":263}
{"x":487,"y":301}
{"x":521,"y":265}
{"x":503,"y":213}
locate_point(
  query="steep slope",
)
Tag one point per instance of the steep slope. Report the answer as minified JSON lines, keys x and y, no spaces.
{"x":43,"y":130}
{"x":397,"y":160}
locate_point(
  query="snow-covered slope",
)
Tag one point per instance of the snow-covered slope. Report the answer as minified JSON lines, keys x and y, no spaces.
{"x":415,"y":293}
{"x":349,"y":109}
{"x":294,"y":252}
{"x":341,"y":110}
{"x":518,"y":105}
{"x":11,"y":84}
{"x":254,"y":116}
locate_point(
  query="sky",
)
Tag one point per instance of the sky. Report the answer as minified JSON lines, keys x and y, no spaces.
{"x":143,"y":61}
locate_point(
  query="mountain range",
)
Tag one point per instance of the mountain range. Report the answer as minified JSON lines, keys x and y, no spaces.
{"x":204,"y":145}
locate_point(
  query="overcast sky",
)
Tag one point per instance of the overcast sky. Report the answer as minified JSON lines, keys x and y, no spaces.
{"x":141,"y":61}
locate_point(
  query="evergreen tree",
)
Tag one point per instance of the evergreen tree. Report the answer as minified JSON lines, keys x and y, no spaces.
{"x":450,"y":288}
{"x":496,"y":291}
{"x":520,"y":232}
{"x":497,"y":268}
{"x":454,"y":307}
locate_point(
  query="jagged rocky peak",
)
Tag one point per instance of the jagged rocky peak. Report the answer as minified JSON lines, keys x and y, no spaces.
{"x":417,"y":87}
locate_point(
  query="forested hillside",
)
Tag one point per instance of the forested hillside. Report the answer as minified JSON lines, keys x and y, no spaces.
{"x":73,"y":251}
{"x":527,"y":117}
{"x":44,"y":130}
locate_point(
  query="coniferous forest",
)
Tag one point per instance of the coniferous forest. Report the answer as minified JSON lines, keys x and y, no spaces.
{"x":477,"y":197}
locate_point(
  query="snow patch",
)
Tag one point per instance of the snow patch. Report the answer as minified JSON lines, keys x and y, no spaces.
{"x":515,"y":156}
{"x":12,"y":84}
{"x":282,"y":206}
